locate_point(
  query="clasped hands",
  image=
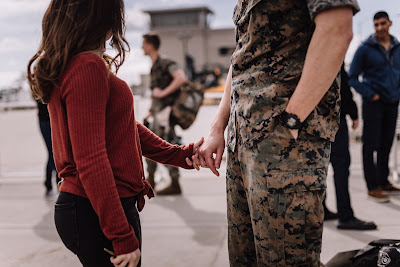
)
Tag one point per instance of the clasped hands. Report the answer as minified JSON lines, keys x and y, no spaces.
{"x":207,"y":153}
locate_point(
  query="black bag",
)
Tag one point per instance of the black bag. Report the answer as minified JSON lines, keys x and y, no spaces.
{"x":187,"y":105}
{"x":389,"y":256}
{"x":365,"y":257}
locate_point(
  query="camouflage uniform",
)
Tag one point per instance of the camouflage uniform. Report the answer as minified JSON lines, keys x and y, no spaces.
{"x":161,"y":77}
{"x":275,"y":183}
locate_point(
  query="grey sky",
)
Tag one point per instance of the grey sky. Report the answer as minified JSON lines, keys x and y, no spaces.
{"x":20,"y":29}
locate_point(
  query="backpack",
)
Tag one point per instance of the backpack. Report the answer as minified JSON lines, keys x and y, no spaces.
{"x":187,"y":105}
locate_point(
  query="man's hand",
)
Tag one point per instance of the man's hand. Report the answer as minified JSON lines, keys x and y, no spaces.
{"x":355,"y":124}
{"x":126,"y":260}
{"x":214,"y":144}
{"x":149,"y":114}
{"x":294,"y":132}
{"x":215,"y":141}
{"x":376,"y":97}
{"x":179,"y":79}
{"x":333,"y":33}
{"x":158,"y":93}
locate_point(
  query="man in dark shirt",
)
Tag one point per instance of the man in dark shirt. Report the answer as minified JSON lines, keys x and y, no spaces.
{"x":340,"y":160}
{"x":166,"y":79}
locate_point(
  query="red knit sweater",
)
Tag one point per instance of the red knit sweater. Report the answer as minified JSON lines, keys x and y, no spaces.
{"x":98,"y":145}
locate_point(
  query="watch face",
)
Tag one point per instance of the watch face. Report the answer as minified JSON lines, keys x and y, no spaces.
{"x":291,"y":122}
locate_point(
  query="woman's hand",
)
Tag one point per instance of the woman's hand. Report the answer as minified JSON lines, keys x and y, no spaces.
{"x":126,"y":260}
{"x":196,"y":147}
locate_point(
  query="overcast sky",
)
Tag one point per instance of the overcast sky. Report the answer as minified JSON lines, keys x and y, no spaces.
{"x":20,"y":29}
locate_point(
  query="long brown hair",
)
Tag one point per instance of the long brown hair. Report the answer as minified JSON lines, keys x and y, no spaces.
{"x":70,"y":27}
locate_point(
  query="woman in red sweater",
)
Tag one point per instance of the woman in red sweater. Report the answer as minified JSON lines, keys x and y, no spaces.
{"x":98,"y":144}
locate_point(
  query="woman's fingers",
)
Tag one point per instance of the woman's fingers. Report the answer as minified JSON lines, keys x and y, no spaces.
{"x":123,"y":260}
{"x":188,"y":162}
{"x":123,"y":263}
{"x":117,"y":260}
{"x":196,"y":161}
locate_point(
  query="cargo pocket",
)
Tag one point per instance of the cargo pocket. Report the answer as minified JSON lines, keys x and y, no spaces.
{"x":296,"y":180}
{"x":65,"y":219}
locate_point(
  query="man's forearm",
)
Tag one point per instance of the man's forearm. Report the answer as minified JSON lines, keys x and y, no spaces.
{"x":178,"y":81}
{"x":324,"y":58}
{"x":221,"y":119}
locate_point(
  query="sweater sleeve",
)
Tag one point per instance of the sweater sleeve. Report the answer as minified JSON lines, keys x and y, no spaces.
{"x":155,"y":148}
{"x":85,"y":92}
{"x":356,"y":68}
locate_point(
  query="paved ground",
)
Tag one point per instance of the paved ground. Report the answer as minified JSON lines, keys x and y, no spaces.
{"x":189,"y":230}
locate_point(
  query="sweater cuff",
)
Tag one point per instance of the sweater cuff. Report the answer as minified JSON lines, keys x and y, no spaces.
{"x":124,"y":246}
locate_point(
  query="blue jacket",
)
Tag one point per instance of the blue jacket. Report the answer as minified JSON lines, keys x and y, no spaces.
{"x":380,"y":70}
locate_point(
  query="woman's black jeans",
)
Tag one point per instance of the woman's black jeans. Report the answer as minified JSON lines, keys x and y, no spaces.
{"x":78,"y":227}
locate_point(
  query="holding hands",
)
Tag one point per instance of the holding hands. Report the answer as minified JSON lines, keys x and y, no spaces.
{"x":204,"y":151}
{"x":196,"y":147}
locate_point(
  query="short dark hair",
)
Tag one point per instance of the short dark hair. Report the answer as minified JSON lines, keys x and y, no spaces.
{"x":153,"y":39}
{"x":380,"y":15}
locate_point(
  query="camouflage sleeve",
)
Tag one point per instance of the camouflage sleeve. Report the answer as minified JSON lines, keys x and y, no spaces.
{"x":317,"y":6}
{"x":172,"y":68}
{"x":169,"y":66}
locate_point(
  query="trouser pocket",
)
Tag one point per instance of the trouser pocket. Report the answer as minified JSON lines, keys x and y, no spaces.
{"x":66,"y":224}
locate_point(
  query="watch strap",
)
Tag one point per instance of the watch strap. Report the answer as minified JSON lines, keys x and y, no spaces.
{"x":291,"y":121}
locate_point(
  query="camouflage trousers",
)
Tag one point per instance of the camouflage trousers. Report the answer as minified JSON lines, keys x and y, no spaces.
{"x":171,"y":137}
{"x":152,"y":167}
{"x":274,"y":194}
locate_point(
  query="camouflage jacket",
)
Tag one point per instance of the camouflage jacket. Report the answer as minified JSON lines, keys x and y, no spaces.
{"x":272,"y":37}
{"x":161,"y":77}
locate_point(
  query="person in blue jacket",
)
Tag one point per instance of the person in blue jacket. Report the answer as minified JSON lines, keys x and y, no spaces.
{"x":377,"y":61}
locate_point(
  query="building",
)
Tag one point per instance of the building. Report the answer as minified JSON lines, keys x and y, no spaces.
{"x":186,"y":31}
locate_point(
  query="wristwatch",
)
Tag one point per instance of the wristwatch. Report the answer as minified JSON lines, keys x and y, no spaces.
{"x":290,"y":120}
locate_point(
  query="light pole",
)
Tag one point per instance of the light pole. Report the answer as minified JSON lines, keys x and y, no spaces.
{"x":185,"y":37}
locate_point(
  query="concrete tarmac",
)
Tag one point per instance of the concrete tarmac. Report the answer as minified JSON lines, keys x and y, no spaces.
{"x":188,"y":230}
